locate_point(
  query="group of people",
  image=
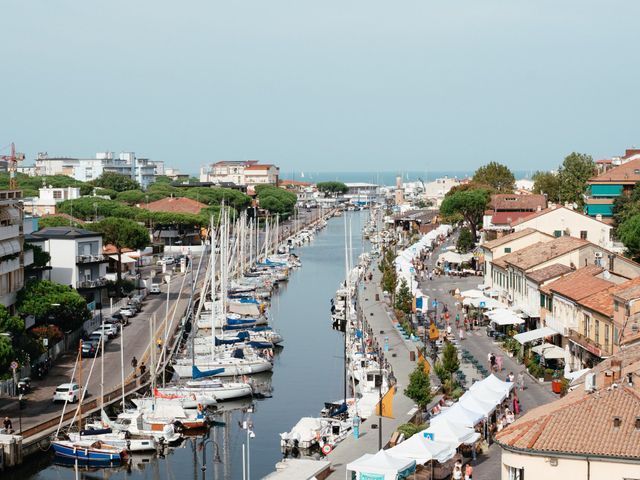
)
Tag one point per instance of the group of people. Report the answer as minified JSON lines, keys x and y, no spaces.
{"x":460,"y":472}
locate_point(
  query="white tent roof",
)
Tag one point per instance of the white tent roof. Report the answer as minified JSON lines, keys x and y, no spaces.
{"x":496,"y":384}
{"x":483,"y":302}
{"x":445,"y":431}
{"x":453,"y":257}
{"x":504,"y":316}
{"x":487,"y":393}
{"x":473,"y":293}
{"x":532,"y":335}
{"x":549,"y":351}
{"x":125,"y":258}
{"x":477,"y":404}
{"x":457,"y":413}
{"x":381,"y":464}
{"x":422,"y":450}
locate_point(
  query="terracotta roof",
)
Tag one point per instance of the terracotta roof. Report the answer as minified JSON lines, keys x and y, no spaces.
{"x":508,"y":238}
{"x":111,"y":249}
{"x":579,"y":284}
{"x":580,"y":424}
{"x":174,"y":205}
{"x":507,"y":218}
{"x":628,"y":290}
{"x":549,"y":210}
{"x":628,"y":172}
{"x":509,"y":201}
{"x":601,"y":302}
{"x":294,"y":182}
{"x":547,"y":273}
{"x":541,"y":252}
{"x":605,"y":161}
{"x":265,"y":166}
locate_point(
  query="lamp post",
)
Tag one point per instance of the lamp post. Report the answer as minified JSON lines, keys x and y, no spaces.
{"x":248,"y":426}
{"x":166,"y":327}
{"x":216,"y":457}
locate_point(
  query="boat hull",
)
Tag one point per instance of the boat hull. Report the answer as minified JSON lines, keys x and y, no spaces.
{"x":86,"y":452}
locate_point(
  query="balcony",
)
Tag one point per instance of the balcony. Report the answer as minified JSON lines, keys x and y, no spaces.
{"x":588,"y":344}
{"x":90,"y":259}
{"x":8,"y":232}
{"x":11,"y":265}
{"x":86,"y":284}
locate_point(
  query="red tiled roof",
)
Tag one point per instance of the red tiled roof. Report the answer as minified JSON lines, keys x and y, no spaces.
{"x":553,"y":208}
{"x":507,"y":218}
{"x":491,"y":244}
{"x":509,"y":201}
{"x":265,"y":166}
{"x":175,"y":205}
{"x":541,"y":252}
{"x":547,"y":273}
{"x":580,"y":423}
{"x":627,"y":173}
{"x":579,"y":284}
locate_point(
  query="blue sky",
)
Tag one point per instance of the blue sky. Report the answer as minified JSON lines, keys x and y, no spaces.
{"x":326,"y":85}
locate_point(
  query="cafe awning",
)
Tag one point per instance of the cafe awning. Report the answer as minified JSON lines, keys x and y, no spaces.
{"x":549,"y":351}
{"x":532,"y":335}
{"x":503,"y":316}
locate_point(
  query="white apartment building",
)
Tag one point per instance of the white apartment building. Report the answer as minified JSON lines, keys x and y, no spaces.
{"x":142,"y":170}
{"x":45,"y":203}
{"x":247,"y":173}
{"x":11,"y":246}
{"x":76,"y":258}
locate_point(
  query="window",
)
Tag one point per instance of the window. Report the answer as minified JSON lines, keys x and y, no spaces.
{"x":515,"y":473}
{"x":596,"y":326}
{"x":542,"y":300}
{"x":583,"y":234}
{"x":57,"y":194}
{"x":507,"y":249}
{"x":557,"y":233}
{"x":585,"y":324}
{"x":606,"y":336}
{"x":615,"y":305}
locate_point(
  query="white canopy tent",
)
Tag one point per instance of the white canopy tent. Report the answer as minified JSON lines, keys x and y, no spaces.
{"x":503,"y":316}
{"x":532,"y":335}
{"x":549,"y":351}
{"x":457,"y":413}
{"x":455,"y":258}
{"x":477,"y":404}
{"x":381,"y":466}
{"x":473,"y":293}
{"x":483,"y":302}
{"x":445,"y":431}
{"x":487,"y":393}
{"x":496,"y":384}
{"x":423,"y":450}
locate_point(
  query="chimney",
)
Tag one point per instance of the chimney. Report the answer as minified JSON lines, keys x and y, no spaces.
{"x":616,"y":369}
{"x":608,"y":378}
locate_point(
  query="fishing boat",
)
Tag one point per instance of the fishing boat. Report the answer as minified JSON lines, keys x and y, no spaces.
{"x":125,"y":440}
{"x":132,"y":422}
{"x":89,"y":451}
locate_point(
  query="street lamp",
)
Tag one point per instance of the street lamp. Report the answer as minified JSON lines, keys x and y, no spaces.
{"x":166,"y":327}
{"x":248,"y":426}
{"x":216,"y":457}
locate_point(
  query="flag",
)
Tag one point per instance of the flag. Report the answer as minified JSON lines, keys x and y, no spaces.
{"x":413,"y":304}
{"x":387,"y":404}
{"x":427,"y":367}
{"x":434,"y":333}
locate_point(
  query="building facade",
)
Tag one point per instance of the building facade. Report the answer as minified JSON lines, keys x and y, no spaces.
{"x":612,"y":183}
{"x":45,"y":203}
{"x":246,"y":173}
{"x":12,"y":256}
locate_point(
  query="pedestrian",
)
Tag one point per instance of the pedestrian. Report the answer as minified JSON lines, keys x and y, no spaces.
{"x":461,"y":334}
{"x":511,"y":377}
{"x":356,"y":426}
{"x":492,"y":361}
{"x":134,"y":364}
{"x":516,"y":404}
{"x":521,"y":381}
{"x":457,"y":471}
{"x":449,"y":329}
{"x":143,"y":369}
{"x":8,"y":426}
{"x":468,"y":472}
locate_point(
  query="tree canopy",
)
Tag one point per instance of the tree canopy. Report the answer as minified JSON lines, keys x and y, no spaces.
{"x":629,"y":234}
{"x":53,"y":303}
{"x":404,"y":297}
{"x":332,"y":187}
{"x":276,"y":200}
{"x":419,"y":388}
{"x":573,"y":175}
{"x":57,"y":221}
{"x":547,"y":183}
{"x":122,"y":233}
{"x":470,"y":204}
{"x":496,"y":176}
{"x":465,"y":242}
{"x":116,"y":181}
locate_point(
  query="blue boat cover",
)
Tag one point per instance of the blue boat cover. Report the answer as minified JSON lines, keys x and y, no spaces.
{"x":197,"y":373}
{"x":238,"y":353}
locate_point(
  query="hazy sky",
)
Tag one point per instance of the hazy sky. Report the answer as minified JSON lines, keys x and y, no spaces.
{"x":352,"y":85}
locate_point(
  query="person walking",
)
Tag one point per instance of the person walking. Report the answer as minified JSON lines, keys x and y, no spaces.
{"x":8,"y":426}
{"x":134,"y":365}
{"x":143,"y":369}
{"x":492,"y":362}
{"x":468,"y":472}
{"x":521,"y":381}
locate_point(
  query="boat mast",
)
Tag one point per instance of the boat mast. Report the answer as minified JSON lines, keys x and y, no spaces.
{"x":346,"y":306}
{"x":80,"y":383}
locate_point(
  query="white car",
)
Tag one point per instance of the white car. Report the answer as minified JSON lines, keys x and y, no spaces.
{"x":127,"y":312}
{"x":166,"y":261}
{"x":69,"y":392}
{"x":155,"y":288}
{"x":110,"y":330}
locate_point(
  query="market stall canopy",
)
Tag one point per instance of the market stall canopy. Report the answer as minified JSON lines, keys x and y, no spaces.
{"x":423,"y":450}
{"x":471,"y":294}
{"x":483,"y":302}
{"x":532,"y":335}
{"x":382,"y":466}
{"x":496,"y":384}
{"x":488,"y":393}
{"x":445,"y":431}
{"x":456,"y":258}
{"x":477,"y":404}
{"x":549,"y":351}
{"x":457,"y":413}
{"x":504,"y":316}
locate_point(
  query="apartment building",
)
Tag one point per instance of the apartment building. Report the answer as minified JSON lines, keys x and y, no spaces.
{"x":245,"y":173}
{"x":142,"y":170}
{"x":505,"y":209}
{"x":47,"y":199}
{"x":76,"y":259}
{"x":12,"y":257}
{"x":607,"y":186}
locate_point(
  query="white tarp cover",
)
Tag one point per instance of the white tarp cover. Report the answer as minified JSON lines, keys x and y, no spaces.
{"x":572,"y":376}
{"x":496,"y":384}
{"x":471,"y":294}
{"x":422,"y":450}
{"x":457,"y":413}
{"x":477,"y":404}
{"x":125,"y":258}
{"x":445,"y":431}
{"x":488,"y":303}
{"x":488,"y":393}
{"x":504,"y":316}
{"x":532,"y":335}
{"x":456,"y":258}
{"x":381,"y":466}
{"x":549,"y":351}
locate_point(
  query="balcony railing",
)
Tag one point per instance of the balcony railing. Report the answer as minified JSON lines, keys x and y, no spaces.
{"x":7,"y":266}
{"x":90,"y":258}
{"x":100,"y":282}
{"x":9,"y":231}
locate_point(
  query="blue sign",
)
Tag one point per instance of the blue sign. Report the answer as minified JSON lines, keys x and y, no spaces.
{"x":483,"y":304}
{"x":429,"y":436}
{"x":412,"y":270}
{"x":434,"y":303}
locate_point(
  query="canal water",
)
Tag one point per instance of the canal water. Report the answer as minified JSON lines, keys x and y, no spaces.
{"x":307,"y":372}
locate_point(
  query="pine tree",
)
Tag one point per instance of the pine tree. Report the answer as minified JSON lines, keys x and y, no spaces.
{"x":419,"y":388}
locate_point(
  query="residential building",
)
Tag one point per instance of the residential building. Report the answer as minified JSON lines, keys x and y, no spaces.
{"x":76,"y":259}
{"x":45,"y":203}
{"x":558,"y":221}
{"x":536,"y":280}
{"x":507,"y":244}
{"x":506,"y":208}
{"x":590,"y":433}
{"x":247,"y":173}
{"x":175,"y":234}
{"x":608,"y":163}
{"x":607,"y":186}
{"x":12,"y":255}
{"x":142,"y":170}
{"x":361,"y":193}
{"x":175,"y":175}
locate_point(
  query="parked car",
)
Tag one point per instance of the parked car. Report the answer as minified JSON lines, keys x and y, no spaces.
{"x":117,"y":319}
{"x":128,"y":312}
{"x":90,"y":348}
{"x":134,"y":306}
{"x":109,"y":329}
{"x":69,"y":392}
{"x":97,"y":336}
{"x":166,"y":261}
{"x":155,"y":288}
